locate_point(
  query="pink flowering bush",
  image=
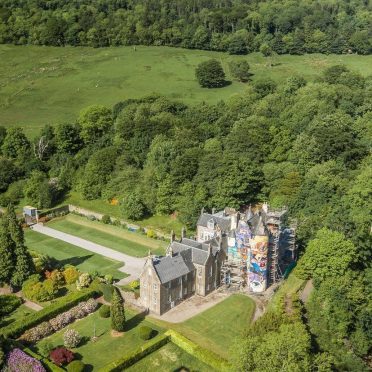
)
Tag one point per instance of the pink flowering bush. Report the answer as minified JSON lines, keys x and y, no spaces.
{"x":71,"y":338}
{"x":60,"y":321}
{"x":18,"y":361}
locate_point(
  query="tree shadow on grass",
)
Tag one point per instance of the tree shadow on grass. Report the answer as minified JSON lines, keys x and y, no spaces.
{"x":135,"y":321}
{"x":75,"y":261}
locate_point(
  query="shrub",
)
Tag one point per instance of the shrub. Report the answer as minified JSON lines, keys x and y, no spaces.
{"x":19,"y":361}
{"x":71,"y":338}
{"x":134,"y":284}
{"x":56,"y":277}
{"x":151,"y":234}
{"x":76,"y":366}
{"x":15,"y":329}
{"x":117,"y":311}
{"x":39,"y":291}
{"x":83,"y":281}
{"x":106,"y":219}
{"x":107,"y":291}
{"x":210,"y":74}
{"x":109,"y":279}
{"x":146,"y":333}
{"x":71,"y":275}
{"x":8,"y":303}
{"x":61,"y":355}
{"x":104,"y":311}
{"x":37,"y":333}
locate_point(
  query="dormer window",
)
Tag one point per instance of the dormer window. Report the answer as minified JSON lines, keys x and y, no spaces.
{"x":210,"y":224}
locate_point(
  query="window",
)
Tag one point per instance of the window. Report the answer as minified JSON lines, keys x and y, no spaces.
{"x":180,"y":280}
{"x":208,"y":287}
{"x":155,"y":300}
{"x":170,"y":299}
{"x":144,"y":285}
{"x":155,"y":286}
{"x":210,"y":271}
{"x":200,"y":272}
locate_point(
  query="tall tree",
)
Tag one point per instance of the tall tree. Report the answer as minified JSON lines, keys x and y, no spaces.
{"x":7,"y":248}
{"x":117,"y":311}
{"x":23,"y":265}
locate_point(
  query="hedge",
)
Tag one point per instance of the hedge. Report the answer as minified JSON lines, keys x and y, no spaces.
{"x":206,"y":356}
{"x":16,"y":329}
{"x":51,"y":367}
{"x":129,"y":359}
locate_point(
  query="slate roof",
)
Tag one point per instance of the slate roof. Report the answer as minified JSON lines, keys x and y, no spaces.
{"x":224,"y":222}
{"x":184,"y":255}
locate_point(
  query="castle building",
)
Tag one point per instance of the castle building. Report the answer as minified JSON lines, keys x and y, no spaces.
{"x":249,"y":250}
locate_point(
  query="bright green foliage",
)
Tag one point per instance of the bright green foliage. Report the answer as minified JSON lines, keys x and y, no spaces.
{"x":75,"y":366}
{"x":24,"y":265}
{"x":328,"y":255}
{"x":240,"y":70}
{"x":210,"y":74}
{"x":38,"y":191}
{"x":145,"y":332}
{"x":67,"y":137}
{"x":34,"y":289}
{"x":117,"y":311}
{"x":104,"y":311}
{"x":132,"y":207}
{"x":15,"y":144}
{"x":95,"y":122}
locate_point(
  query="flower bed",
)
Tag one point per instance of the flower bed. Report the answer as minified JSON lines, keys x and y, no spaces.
{"x":60,"y":321}
{"x":18,"y":361}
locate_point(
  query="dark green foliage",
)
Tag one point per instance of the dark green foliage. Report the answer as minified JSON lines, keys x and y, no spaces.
{"x":15,"y":329}
{"x":132,"y":207}
{"x":76,"y":366}
{"x":210,"y":74}
{"x":145,"y":332}
{"x":8,"y":173}
{"x":104,"y":311}
{"x":264,"y":87}
{"x":117,"y":311}
{"x":106,"y":219}
{"x":8,"y":303}
{"x":7,"y":247}
{"x":15,"y":144}
{"x":240,"y":70}
{"x":107,"y":290}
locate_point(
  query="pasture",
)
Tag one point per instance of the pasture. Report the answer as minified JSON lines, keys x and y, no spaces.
{"x":50,"y":85}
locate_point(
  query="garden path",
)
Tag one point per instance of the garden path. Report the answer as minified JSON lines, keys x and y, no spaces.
{"x":133,"y":265}
{"x":28,"y":303}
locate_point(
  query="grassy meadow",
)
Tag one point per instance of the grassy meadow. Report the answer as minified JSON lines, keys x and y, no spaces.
{"x":50,"y":85}
{"x":113,"y":237}
{"x":84,"y":260}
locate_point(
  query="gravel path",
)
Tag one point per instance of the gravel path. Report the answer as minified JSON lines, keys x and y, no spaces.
{"x":133,"y":265}
{"x":28,"y":303}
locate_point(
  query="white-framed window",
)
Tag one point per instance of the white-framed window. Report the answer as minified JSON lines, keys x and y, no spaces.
{"x":200,"y":272}
{"x":155,"y":286}
{"x":155,"y":299}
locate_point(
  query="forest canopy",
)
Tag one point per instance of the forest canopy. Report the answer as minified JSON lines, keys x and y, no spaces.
{"x":239,"y":27}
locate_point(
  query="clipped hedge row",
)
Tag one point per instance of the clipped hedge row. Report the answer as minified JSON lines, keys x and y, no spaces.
{"x":20,"y":326}
{"x":51,"y":367}
{"x":206,"y":356}
{"x":144,"y":350}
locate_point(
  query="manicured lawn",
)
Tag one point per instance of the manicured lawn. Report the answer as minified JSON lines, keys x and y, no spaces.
{"x":66,"y":253}
{"x":107,"y":348}
{"x":49,"y":85}
{"x":19,"y":313}
{"x":169,"y":358}
{"x":110,"y":236}
{"x":217,"y":327}
{"x":162,"y":223}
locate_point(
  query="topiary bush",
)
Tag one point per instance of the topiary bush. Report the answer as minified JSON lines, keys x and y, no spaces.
{"x":71,"y":275}
{"x":146,"y":332}
{"x":106,"y":219}
{"x":104,"y":311}
{"x":61,"y":356}
{"x":71,"y":338}
{"x":76,"y":366}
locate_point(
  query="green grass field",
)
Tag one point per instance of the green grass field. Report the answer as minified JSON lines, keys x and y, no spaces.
{"x":107,"y":348}
{"x":49,"y":85}
{"x":121,"y":240}
{"x":69,"y":254}
{"x":217,"y":328}
{"x":19,"y":313}
{"x":169,"y":358}
{"x":161,"y":223}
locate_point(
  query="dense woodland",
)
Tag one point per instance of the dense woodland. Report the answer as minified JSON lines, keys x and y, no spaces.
{"x":301,"y":144}
{"x":236,"y":26}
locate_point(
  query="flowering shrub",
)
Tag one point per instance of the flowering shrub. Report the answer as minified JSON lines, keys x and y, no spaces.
{"x":71,"y":338}
{"x":60,"y":321}
{"x":18,"y":361}
{"x":61,"y":355}
{"x":39,"y":291}
{"x":83,"y":281}
{"x":71,"y":275}
{"x":56,"y":277}
{"x":35,"y":334}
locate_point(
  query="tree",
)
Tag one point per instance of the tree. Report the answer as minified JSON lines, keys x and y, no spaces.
{"x":117,"y":311}
{"x":24,"y":265}
{"x":328,"y":255}
{"x":7,"y":257}
{"x":15,"y":145}
{"x":264,"y":86}
{"x":8,"y":173}
{"x":95,"y":122}
{"x":38,"y":191}
{"x":132,"y":206}
{"x":210,"y":74}
{"x":67,"y":137}
{"x":240,"y":70}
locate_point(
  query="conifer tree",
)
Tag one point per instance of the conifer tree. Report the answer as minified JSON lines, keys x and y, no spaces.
{"x":117,"y":311}
{"x":7,"y":255}
{"x":23,"y":263}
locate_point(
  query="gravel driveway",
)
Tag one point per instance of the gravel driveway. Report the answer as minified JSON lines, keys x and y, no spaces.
{"x":133,"y":265}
